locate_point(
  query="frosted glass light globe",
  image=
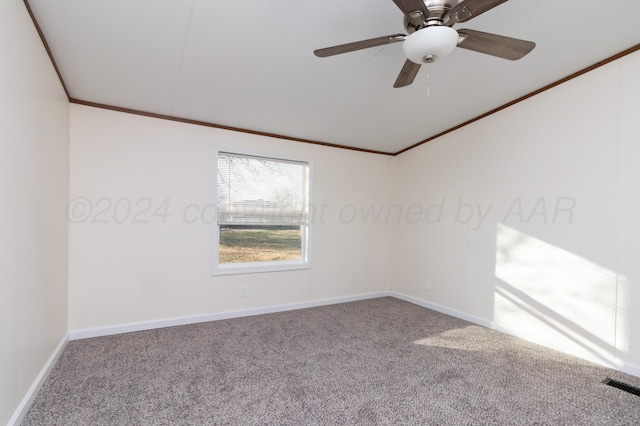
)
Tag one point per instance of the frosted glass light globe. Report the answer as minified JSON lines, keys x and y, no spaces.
{"x":430,"y":43}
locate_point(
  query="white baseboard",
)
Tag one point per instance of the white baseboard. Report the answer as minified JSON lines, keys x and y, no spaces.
{"x":26,"y":402}
{"x":442,"y":309}
{"x":611,"y":363}
{"x":171,"y":322}
{"x":634,"y":370}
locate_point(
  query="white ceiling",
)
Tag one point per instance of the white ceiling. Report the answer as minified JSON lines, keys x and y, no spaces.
{"x":250,"y":63}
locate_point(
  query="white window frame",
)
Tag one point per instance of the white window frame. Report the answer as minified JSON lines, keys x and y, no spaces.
{"x":269,"y":266}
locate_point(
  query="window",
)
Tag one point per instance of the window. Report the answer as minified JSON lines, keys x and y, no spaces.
{"x":262,"y":214}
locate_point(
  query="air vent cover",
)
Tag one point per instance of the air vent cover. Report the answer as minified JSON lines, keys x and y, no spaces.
{"x":622,"y":386}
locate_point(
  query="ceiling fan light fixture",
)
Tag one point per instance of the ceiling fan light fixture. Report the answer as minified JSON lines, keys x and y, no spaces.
{"x":430,"y":43}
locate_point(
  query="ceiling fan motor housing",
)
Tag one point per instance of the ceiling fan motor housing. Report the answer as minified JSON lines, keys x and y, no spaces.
{"x":438,"y":10}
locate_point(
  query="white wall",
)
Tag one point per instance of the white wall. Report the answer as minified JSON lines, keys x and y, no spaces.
{"x":34,"y":185}
{"x":524,"y":220}
{"x":538,"y":228}
{"x":123,"y":272}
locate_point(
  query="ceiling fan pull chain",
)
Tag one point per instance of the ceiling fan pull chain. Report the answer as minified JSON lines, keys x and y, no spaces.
{"x":427,"y":83}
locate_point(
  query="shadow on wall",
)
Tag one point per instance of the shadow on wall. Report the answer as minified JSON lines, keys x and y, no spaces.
{"x":559,"y":299}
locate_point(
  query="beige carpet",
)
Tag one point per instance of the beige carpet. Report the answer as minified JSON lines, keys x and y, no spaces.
{"x":380,"y":361}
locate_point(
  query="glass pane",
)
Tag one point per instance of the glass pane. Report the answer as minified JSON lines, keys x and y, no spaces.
{"x":241,"y":244}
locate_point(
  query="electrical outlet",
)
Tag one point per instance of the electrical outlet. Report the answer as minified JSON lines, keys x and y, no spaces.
{"x":427,"y":285}
{"x":243,"y":292}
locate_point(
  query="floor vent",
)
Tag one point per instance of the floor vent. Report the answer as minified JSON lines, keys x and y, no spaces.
{"x":623,"y":386}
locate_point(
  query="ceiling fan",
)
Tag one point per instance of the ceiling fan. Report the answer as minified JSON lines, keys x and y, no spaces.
{"x":431,"y":36}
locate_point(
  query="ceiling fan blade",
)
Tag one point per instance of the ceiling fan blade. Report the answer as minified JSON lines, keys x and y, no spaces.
{"x":493,"y":44}
{"x":407,"y":74}
{"x":409,"y":6}
{"x":468,"y":9}
{"x":358,"y":45}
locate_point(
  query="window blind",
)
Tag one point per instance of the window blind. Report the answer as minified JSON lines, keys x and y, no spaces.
{"x":261,"y":191}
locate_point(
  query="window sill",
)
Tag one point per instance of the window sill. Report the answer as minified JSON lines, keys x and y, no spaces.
{"x":259,"y":267}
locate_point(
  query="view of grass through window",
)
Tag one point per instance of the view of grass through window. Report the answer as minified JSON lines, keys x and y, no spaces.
{"x":239,"y":244}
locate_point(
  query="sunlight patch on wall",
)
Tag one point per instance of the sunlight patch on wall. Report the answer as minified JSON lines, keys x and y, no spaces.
{"x":555,"y":297}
